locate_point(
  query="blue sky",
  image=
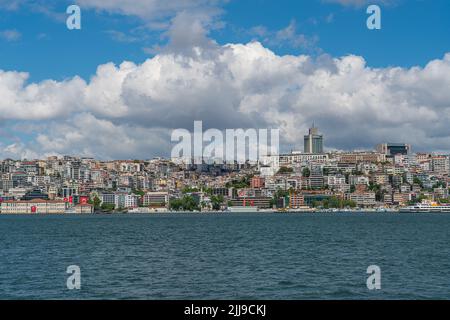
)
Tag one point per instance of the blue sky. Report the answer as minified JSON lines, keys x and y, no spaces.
{"x":139,"y":69}
{"x":413,"y":33}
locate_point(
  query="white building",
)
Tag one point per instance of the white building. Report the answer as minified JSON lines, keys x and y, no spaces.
{"x":132,"y":201}
{"x":156,"y":198}
{"x":36,"y":206}
{"x":364,"y":199}
{"x":334,"y":181}
{"x":354,"y":180}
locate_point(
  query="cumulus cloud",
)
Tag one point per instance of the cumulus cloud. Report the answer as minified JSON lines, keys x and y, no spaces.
{"x":129,"y":110}
{"x":38,"y":101}
{"x":87,"y":135}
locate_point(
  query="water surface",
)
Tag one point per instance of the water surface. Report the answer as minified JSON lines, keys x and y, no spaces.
{"x":225,"y":256}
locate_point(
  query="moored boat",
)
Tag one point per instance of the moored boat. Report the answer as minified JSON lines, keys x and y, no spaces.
{"x":426,"y":207}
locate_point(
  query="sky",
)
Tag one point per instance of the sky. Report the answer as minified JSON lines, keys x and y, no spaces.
{"x":137,"y":70}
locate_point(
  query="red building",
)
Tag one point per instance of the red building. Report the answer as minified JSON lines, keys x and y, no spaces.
{"x":257,"y":182}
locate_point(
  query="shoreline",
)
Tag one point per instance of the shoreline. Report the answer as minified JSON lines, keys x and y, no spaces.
{"x":168,"y":213}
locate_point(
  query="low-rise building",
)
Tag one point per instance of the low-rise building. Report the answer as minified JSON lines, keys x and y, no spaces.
{"x":296,"y":200}
{"x":363,"y":199}
{"x":35,"y":206}
{"x":84,"y":209}
{"x":156,"y":199}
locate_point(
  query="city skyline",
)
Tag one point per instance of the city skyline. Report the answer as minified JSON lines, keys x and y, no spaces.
{"x":388,"y":178}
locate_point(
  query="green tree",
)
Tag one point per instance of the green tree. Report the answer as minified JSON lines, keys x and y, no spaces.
{"x":175,"y":204}
{"x":285,"y":170}
{"x":217,"y":202}
{"x":95,"y":202}
{"x":108,"y":207}
{"x":239,"y":184}
{"x":349,"y":203}
{"x":306,"y":172}
{"x":416,"y":180}
{"x":279,"y":194}
{"x":189,"y":189}
{"x":139,"y":192}
{"x":186,"y":203}
{"x":207,"y":190}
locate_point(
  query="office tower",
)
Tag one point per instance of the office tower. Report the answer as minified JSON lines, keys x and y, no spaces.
{"x":313,"y":142}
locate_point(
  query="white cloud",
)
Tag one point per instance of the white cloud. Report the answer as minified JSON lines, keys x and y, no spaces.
{"x":128,"y":111}
{"x":151,"y":9}
{"x":37,"y":101}
{"x":360,"y":3}
{"x":86,"y":135}
{"x":120,"y":36}
{"x":285,"y":37}
{"x":10,"y":35}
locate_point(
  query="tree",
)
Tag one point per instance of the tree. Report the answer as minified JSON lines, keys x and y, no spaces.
{"x":187,"y":203}
{"x":317,"y":204}
{"x":108,"y":207}
{"x":217,"y":202}
{"x":279,"y":194}
{"x":207,"y":190}
{"x":350,"y":203}
{"x":95,"y":202}
{"x":239,"y":184}
{"x":188,"y":189}
{"x":439,"y":184}
{"x":139,"y":192}
{"x":421,"y":197}
{"x":175,"y":204}
{"x":306,"y":173}
{"x":334,"y":202}
{"x":285,"y":170}
{"x":374,"y":187}
{"x":416,"y":180}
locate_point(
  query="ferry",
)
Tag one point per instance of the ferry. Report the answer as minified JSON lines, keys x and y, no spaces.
{"x":426,"y":207}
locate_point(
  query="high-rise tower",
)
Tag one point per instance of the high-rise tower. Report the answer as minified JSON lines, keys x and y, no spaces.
{"x":313,"y":142}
